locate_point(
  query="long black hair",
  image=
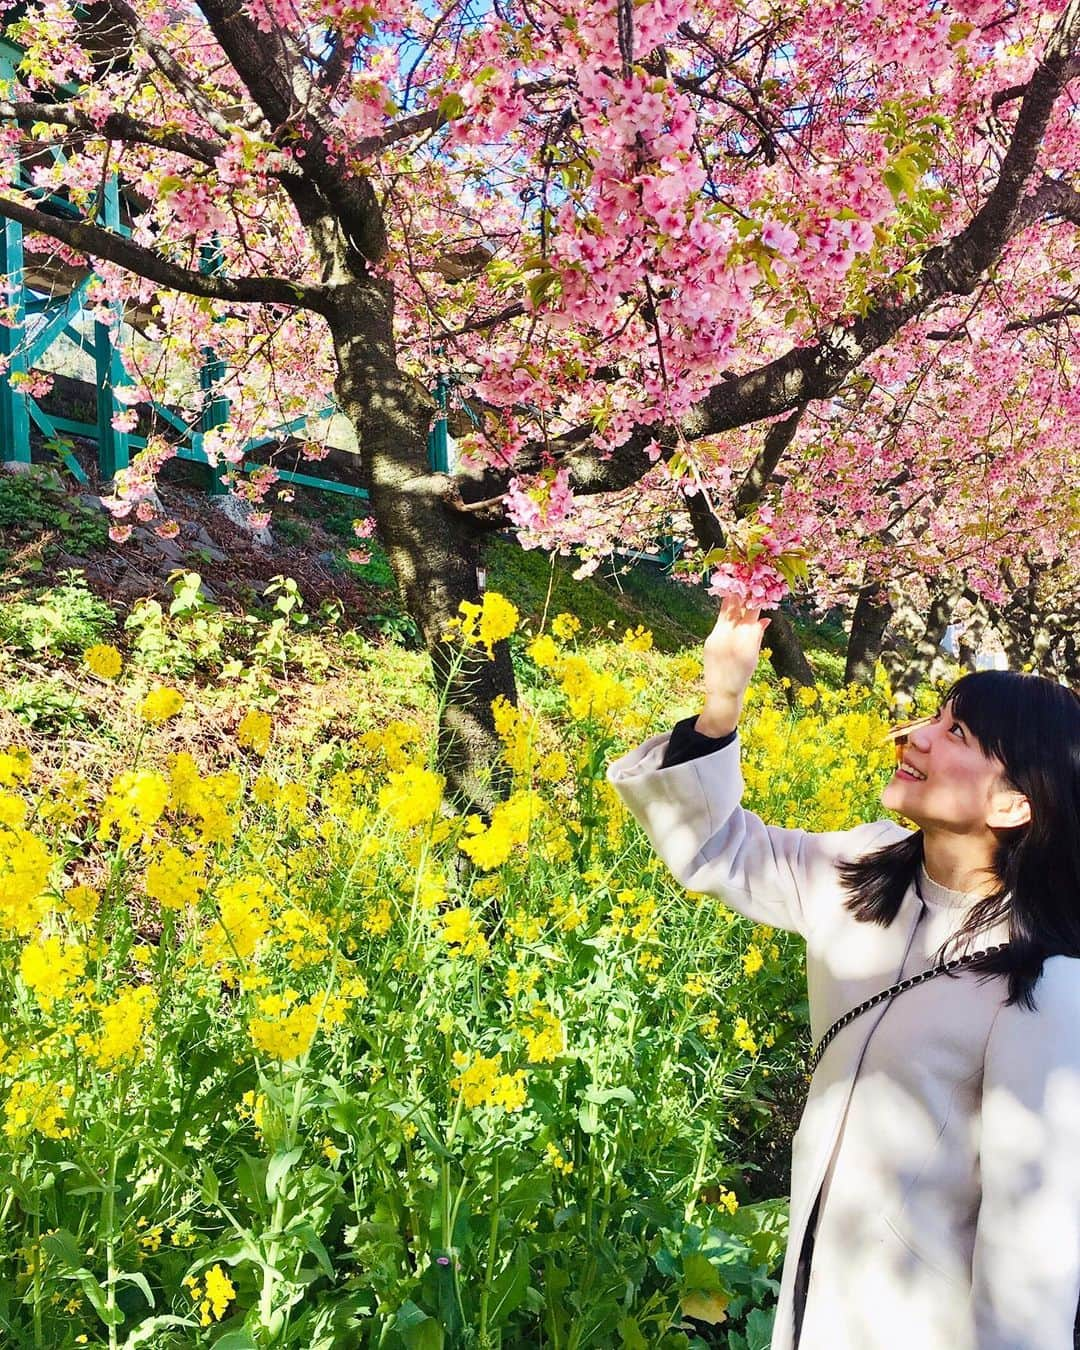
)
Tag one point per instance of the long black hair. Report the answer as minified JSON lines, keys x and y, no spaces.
{"x":1032,"y":726}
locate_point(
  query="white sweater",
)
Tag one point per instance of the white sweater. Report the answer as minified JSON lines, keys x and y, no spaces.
{"x":945,"y":1126}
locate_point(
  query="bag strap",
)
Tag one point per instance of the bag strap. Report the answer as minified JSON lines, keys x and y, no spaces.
{"x":946,"y":968}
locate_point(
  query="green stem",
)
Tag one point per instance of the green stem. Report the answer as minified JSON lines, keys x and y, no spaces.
{"x":39,"y":1338}
{"x":493,"y":1241}
{"x":108,"y":1223}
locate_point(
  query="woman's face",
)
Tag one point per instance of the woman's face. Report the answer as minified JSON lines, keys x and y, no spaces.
{"x":945,"y":780}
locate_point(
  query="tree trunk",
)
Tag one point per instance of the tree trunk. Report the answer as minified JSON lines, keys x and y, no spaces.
{"x":433,"y":550}
{"x":920,"y":665}
{"x":788,"y":658}
{"x":873,"y":610}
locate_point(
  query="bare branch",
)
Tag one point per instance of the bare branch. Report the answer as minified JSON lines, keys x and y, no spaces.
{"x":144,"y":262}
{"x":280,"y":79}
{"x":431,"y":120}
{"x":1069,"y":311}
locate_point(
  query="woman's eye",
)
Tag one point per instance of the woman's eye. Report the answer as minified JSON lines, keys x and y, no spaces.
{"x":957,"y":727}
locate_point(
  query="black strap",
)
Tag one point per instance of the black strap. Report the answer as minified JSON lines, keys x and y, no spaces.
{"x":946,"y":968}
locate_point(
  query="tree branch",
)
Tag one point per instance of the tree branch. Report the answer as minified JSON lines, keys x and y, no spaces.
{"x":173,"y":71}
{"x":1068,"y":311}
{"x":116,"y":127}
{"x":285,"y":88}
{"x":430,"y":120}
{"x":779,"y":437}
{"x":144,"y":262}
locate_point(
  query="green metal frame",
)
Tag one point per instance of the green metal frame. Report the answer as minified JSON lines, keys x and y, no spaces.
{"x":19,"y":353}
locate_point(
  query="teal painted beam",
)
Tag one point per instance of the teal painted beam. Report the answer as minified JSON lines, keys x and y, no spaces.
{"x":14,"y":406}
{"x":321,"y":484}
{"x":287,"y":428}
{"x":198,"y":456}
{"x":113,"y":445}
{"x":174,"y":420}
{"x":52,"y":431}
{"x":215,"y":407}
{"x":438,"y":446}
{"x":59,"y":316}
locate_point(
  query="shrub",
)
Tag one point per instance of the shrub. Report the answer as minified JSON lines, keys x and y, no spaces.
{"x":63,"y":618}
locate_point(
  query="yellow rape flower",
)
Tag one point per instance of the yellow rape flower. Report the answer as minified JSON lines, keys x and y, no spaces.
{"x":161,"y":704}
{"x":83,"y":902}
{"x":481,"y":1084}
{"x":16,"y":766}
{"x":284,"y":1034}
{"x":752,"y":960}
{"x":103,"y":661}
{"x":544,"y":1035}
{"x":462,"y":934}
{"x":213,"y":1297}
{"x":123,"y":1024}
{"x":50,"y":967}
{"x":174,"y":880}
{"x":557,"y":1160}
{"x":136,"y":802}
{"x":564,"y":626}
{"x":543,"y":651}
{"x":411,"y":796}
{"x":25,"y":864}
{"x":253,"y":731}
{"x":36,"y":1107}
{"x":12,"y":809}
{"x":553,"y":767}
{"x":743,"y":1037}
{"x":637,"y":639}
{"x":485,"y":624}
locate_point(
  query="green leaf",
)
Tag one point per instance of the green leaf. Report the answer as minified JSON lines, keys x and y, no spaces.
{"x":632,"y":1339}
{"x":508,"y":1287}
{"x":451,"y":106}
{"x":417,"y":1329}
{"x":541,"y":285}
{"x":235,"y":1340}
{"x":279,"y":1167}
{"x":210,"y":1185}
{"x":145,"y":1330}
{"x":63,"y":1248}
{"x":699,"y":1273}
{"x":589,"y":1117}
{"x":759,"y":1328}
{"x":139,"y":1280}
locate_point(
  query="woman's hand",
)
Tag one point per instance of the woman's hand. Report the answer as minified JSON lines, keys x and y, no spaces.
{"x":732,"y":651}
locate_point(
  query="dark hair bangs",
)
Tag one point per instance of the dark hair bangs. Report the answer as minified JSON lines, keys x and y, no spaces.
{"x":991,"y":704}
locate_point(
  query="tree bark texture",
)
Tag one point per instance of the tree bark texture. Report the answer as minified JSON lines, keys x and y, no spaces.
{"x":922,"y":661}
{"x":434,"y":551}
{"x":873,"y":610}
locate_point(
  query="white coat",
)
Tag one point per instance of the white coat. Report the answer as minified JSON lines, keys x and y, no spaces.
{"x":952,"y":1217}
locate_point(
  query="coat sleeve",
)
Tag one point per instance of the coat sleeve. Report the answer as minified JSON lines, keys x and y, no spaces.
{"x":1026,"y":1268}
{"x":692,"y":815}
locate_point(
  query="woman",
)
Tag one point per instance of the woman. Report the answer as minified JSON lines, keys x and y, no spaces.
{"x":936,"y":1171}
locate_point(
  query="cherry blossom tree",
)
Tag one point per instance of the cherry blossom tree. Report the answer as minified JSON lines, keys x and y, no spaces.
{"x":796,"y":280}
